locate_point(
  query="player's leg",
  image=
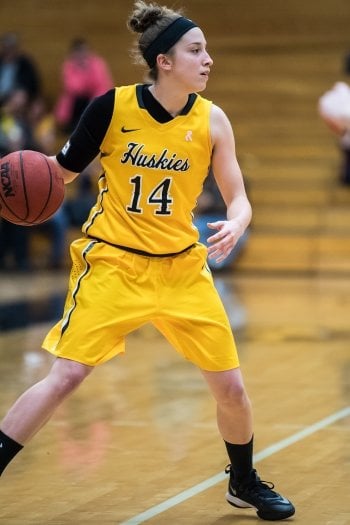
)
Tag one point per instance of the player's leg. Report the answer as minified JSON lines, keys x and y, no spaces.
{"x":195,"y":323}
{"x":234,"y":418}
{"x":234,"y":413}
{"x":35,"y":407}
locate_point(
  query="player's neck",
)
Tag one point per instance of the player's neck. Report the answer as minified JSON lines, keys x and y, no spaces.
{"x":172,"y":101}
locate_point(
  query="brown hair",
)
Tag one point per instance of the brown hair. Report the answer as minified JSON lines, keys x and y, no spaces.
{"x":149,"y":20}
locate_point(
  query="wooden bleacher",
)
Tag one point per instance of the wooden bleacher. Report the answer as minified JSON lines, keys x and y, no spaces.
{"x":272,"y":61}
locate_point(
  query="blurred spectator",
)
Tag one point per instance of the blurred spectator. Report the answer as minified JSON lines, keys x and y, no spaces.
{"x":44,"y":131}
{"x":43,"y":125}
{"x":14,"y":247}
{"x":334,"y":108}
{"x":211,"y":208}
{"x":55,"y":229}
{"x":15,"y":129}
{"x":79,"y":205}
{"x":347,"y":64}
{"x":27,"y":124}
{"x":15,"y":134}
{"x":17,"y":69}
{"x":85,"y":75}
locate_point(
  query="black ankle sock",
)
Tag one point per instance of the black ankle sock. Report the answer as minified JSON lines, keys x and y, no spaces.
{"x":8,"y":449}
{"x":241,"y":457}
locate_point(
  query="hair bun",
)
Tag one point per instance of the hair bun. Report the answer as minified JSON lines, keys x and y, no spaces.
{"x":144,"y":16}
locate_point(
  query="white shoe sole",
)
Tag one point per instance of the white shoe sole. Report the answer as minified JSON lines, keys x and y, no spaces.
{"x":236,"y":502}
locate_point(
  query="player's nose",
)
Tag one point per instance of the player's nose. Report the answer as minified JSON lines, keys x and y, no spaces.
{"x":208,"y":61}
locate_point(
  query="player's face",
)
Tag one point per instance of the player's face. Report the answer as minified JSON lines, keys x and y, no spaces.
{"x":191,"y":61}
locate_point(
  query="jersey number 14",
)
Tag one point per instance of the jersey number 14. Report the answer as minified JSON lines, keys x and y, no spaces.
{"x":159,"y":197}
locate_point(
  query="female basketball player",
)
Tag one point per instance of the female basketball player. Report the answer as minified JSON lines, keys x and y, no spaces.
{"x":139,"y":259}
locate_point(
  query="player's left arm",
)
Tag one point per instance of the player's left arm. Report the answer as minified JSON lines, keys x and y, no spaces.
{"x":230,"y":182}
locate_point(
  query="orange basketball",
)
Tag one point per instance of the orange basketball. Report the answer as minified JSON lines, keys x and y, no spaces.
{"x":31,"y":189}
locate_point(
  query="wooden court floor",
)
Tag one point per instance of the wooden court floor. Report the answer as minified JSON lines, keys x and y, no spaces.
{"x":138,"y":442}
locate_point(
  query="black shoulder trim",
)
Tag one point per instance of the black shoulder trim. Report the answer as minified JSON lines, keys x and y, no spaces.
{"x":191,"y":100}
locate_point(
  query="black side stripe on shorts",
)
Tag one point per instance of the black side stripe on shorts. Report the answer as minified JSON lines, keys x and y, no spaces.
{"x":66,"y":319}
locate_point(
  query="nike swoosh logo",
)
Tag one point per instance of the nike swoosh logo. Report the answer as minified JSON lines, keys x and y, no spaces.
{"x":125,"y":130}
{"x":284,"y":500}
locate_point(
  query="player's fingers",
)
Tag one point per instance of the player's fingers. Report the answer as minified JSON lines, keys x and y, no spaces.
{"x":219,"y":236}
{"x":223,"y":239}
{"x":220,"y":246}
{"x":215,"y":225}
{"x":215,"y":238}
{"x":220,"y":255}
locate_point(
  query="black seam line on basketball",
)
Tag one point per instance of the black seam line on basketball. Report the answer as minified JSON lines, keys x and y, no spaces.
{"x":23,"y":184}
{"x":126,"y":130}
{"x":88,"y":267}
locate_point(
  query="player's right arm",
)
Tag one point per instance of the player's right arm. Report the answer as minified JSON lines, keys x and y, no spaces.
{"x":67,"y":175}
{"x":84,"y":143}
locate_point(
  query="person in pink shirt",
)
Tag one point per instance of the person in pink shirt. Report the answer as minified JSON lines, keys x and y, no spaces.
{"x":85,"y":75}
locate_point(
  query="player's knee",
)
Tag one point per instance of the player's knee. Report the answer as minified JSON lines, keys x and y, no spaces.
{"x":235,"y":396}
{"x":74,"y":378}
{"x":69,"y":375}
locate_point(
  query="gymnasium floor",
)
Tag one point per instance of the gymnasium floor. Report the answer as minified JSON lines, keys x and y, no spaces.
{"x":138,"y":442}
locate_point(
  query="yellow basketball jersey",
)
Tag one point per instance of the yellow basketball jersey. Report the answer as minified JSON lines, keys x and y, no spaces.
{"x":152,"y":176}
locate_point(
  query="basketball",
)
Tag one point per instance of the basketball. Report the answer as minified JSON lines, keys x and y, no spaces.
{"x":31,"y":189}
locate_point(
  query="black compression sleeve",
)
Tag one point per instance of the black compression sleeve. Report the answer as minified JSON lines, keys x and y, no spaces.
{"x":84,"y":143}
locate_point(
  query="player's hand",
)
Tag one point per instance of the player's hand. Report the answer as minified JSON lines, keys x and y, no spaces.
{"x":222,"y":243}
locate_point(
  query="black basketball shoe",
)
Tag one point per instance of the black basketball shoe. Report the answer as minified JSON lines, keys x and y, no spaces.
{"x":252,"y":492}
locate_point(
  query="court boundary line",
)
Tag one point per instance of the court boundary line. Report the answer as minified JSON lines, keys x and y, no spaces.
{"x":214,"y":480}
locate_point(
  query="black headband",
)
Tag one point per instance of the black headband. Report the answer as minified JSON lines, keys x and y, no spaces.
{"x":167,"y":38}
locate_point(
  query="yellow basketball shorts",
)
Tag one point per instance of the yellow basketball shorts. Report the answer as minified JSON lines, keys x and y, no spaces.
{"x":113,"y":292}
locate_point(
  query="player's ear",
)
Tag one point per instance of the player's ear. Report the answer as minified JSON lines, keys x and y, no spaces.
{"x":164,"y":62}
